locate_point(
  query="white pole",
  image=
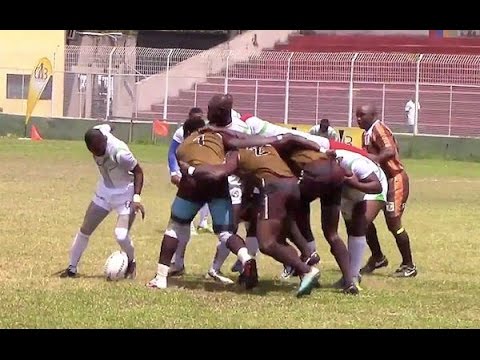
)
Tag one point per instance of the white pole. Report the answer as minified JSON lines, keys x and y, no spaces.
{"x":165,"y":100}
{"x":350,"y":92}
{"x":256,"y":98}
{"x":53,"y":73}
{"x":450,"y":112}
{"x":287,"y":89}
{"x":316,"y":104}
{"x":225,"y":87}
{"x":383,"y":103}
{"x":417,"y":93}
{"x":195,"y":96}
{"x":109,"y":90}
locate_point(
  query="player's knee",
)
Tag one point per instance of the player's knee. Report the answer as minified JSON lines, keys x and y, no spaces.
{"x":395,"y":227}
{"x":223,"y":236}
{"x":177,"y":230}
{"x":266,"y":247}
{"x":121,"y":234}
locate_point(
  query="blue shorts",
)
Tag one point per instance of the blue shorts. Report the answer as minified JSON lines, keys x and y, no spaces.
{"x":184,"y":211}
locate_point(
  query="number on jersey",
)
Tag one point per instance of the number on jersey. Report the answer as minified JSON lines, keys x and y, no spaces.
{"x":200,"y":140}
{"x":258,"y":150}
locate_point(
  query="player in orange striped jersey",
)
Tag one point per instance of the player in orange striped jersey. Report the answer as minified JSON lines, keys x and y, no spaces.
{"x":382,"y":147}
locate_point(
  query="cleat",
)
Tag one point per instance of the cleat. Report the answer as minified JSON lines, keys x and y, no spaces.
{"x":406,"y":271}
{"x":237,"y":267}
{"x":308,"y":282}
{"x":351,"y":289}
{"x":158,"y":282}
{"x":219,"y":277}
{"x":372,"y":264}
{"x":287,"y":272}
{"x":249,"y":275}
{"x":131,"y":272}
{"x":173,"y":272}
{"x":68,"y":272}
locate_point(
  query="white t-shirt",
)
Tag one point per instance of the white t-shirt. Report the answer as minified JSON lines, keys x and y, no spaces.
{"x":410,"y":111}
{"x":116,"y":165}
{"x":329,"y":134}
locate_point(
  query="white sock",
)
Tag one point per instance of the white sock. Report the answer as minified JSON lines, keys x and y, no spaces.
{"x":204,"y":213}
{"x":356,"y":249}
{"x":220,"y":256}
{"x":127,"y":246}
{"x":252,"y":245}
{"x":243,"y":255}
{"x":78,"y":247}
{"x":162,"y":270}
{"x":311,"y":246}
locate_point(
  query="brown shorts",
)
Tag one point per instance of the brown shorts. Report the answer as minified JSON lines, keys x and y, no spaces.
{"x":278,"y":198}
{"x":397,"y":195}
{"x":190,"y":189}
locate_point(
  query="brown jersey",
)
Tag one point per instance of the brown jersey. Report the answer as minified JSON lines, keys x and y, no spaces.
{"x":198,"y":149}
{"x":263,"y":162}
{"x":379,"y":137}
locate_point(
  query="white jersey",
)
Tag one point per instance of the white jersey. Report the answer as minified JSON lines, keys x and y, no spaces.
{"x":361,"y":167}
{"x":264,"y":128}
{"x":116,"y":165}
{"x":410,"y":111}
{"x":329,"y":134}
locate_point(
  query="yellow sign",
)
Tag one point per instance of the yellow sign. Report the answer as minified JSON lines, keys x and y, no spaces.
{"x":38,"y":81}
{"x":351,"y":136}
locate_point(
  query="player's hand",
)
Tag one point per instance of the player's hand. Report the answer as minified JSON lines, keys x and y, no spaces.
{"x":331,"y":154}
{"x":136,"y":207}
{"x":351,"y":180}
{"x":175,"y":179}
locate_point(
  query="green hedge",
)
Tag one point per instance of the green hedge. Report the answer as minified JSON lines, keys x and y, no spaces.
{"x":73,"y":129}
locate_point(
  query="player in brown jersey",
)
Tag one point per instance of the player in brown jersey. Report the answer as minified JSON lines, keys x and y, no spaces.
{"x":281,"y":195}
{"x":382,"y":147}
{"x":310,"y":166}
{"x":198,"y":149}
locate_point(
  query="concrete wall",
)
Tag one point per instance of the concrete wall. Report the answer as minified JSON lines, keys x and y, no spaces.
{"x":20,"y":52}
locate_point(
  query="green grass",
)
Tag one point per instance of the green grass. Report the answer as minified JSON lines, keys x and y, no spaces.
{"x":46,"y":187}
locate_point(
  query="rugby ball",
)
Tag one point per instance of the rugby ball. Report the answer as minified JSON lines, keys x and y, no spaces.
{"x":116,"y":266}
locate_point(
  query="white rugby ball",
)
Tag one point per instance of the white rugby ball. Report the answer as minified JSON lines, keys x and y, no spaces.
{"x":116,"y":266}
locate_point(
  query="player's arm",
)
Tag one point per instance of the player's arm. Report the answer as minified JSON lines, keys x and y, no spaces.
{"x":127,"y":161}
{"x":288,"y":142}
{"x":172,"y":162}
{"x":363,"y":178}
{"x":211,"y":172}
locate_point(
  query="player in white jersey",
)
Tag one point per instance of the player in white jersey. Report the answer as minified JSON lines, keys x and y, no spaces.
{"x":363,"y":196}
{"x":118,"y":189}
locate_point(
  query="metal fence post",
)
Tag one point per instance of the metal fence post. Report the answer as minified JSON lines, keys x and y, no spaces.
{"x":450,"y":111}
{"x":225,"y":88}
{"x":256,"y":98}
{"x":195,"y":95}
{"x":165,"y":100}
{"x":110,"y":84}
{"x":417,"y":94}
{"x":316,"y":104}
{"x":287,"y":89}
{"x":350,"y":92}
{"x":383,"y":102}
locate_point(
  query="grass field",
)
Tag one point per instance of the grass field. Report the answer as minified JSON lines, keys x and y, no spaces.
{"x":46,"y":187}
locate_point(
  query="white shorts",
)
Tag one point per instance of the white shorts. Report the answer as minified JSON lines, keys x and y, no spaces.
{"x":113,"y":200}
{"x":350,"y":197}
